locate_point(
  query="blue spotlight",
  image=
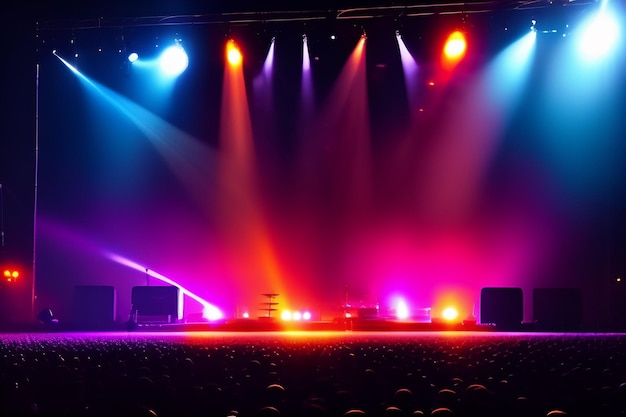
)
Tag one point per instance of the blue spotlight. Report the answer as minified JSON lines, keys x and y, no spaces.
{"x":133,"y":57}
{"x":598,"y":35}
{"x":174,"y":60}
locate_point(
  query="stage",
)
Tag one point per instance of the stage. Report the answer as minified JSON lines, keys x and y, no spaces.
{"x":265,"y":325}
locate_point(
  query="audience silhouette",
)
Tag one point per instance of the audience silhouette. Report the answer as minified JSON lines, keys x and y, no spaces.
{"x":473,"y":376}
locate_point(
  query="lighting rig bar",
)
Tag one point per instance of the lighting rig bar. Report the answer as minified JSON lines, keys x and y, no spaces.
{"x":370,"y":12}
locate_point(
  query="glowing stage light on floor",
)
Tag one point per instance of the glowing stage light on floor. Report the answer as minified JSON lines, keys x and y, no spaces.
{"x":450,"y":313}
{"x":233,"y":54}
{"x":402,"y":309}
{"x":174,"y":60}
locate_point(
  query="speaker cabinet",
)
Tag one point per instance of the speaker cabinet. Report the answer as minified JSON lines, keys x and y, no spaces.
{"x":558,"y":309}
{"x":94,"y":306}
{"x":155,"y":301}
{"x":502,"y":306}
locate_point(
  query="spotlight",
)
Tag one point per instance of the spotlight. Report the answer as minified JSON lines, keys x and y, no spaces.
{"x":455,"y":46}
{"x":133,"y":57}
{"x":174,"y":60}
{"x":233,"y":54}
{"x":533,"y":25}
{"x":600,"y":34}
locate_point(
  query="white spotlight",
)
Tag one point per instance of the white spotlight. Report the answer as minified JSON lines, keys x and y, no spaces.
{"x":174,"y":60}
{"x":133,"y":57}
{"x":599,"y":35}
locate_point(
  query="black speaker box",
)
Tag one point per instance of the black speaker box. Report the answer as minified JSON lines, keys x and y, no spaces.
{"x":155,"y":300}
{"x":558,"y":309}
{"x":502,"y":306}
{"x":94,"y":305}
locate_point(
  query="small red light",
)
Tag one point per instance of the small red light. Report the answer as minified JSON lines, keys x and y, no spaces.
{"x":11,"y":275}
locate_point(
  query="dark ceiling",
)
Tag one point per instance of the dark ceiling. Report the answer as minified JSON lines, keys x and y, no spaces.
{"x":69,"y":13}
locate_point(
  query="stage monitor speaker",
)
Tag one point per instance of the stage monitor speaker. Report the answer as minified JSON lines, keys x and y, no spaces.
{"x":157,"y":300}
{"x":558,"y":309}
{"x":502,"y":306}
{"x":94,"y":305}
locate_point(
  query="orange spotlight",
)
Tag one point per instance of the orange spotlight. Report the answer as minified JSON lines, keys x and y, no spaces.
{"x":454,"y":49}
{"x":455,"y":45}
{"x":233,"y":54}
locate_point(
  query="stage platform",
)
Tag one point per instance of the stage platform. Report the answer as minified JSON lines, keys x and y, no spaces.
{"x":267,"y":324}
{"x":273,"y":325}
{"x":244,"y":325}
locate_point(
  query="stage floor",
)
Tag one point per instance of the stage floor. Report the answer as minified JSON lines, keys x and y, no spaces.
{"x":279,"y":326}
{"x":332,"y":337}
